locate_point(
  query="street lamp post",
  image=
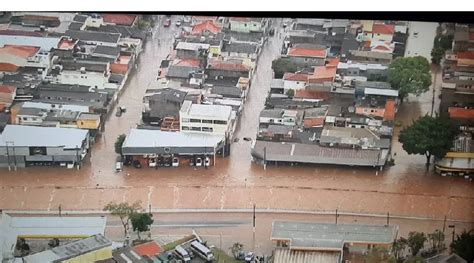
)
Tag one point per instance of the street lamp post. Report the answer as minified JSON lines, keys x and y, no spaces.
{"x":254,"y":225}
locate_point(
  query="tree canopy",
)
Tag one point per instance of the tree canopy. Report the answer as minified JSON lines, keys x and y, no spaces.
{"x":428,"y":136}
{"x":416,"y":241}
{"x":463,"y":245}
{"x":119,"y":143}
{"x":281,"y":65}
{"x":141,"y":222}
{"x":410,"y":75}
{"x":379,"y":255}
{"x":123,"y":210}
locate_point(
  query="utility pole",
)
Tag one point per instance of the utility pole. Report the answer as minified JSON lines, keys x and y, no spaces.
{"x":388,"y":218}
{"x":264,"y":158}
{"x":336,"y":216}
{"x":8,"y":157}
{"x":254,"y":225}
{"x":444,"y":224}
{"x":77,"y":157}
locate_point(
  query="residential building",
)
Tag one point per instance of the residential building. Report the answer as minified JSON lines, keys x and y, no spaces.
{"x":187,"y":50}
{"x":45,"y":44}
{"x":7,"y":95}
{"x":371,"y":71}
{"x":215,"y":42}
{"x":95,"y":100}
{"x":294,"y":81}
{"x":25,"y":56}
{"x":206,"y":28}
{"x":278,"y":116}
{"x":376,"y":99}
{"x":210,"y":119}
{"x":33,"y":229}
{"x":119,"y":19}
{"x":82,"y":72}
{"x":90,"y":249}
{"x":162,"y":104}
{"x":241,"y":50}
{"x":183,"y":70}
{"x":307,"y":56}
{"x":332,"y":243}
{"x":95,"y":38}
{"x":246,"y":24}
{"x":227,"y":69}
{"x":370,"y":57}
{"x":382,"y":32}
{"x":21,"y":146}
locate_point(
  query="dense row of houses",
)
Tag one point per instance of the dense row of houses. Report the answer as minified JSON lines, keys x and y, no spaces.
{"x":191,"y":110}
{"x":457,"y":100}
{"x":59,"y":78}
{"x":337,"y":107}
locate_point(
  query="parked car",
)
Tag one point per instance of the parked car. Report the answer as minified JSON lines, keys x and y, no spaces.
{"x":175,"y":161}
{"x":207,"y":161}
{"x":178,"y":23}
{"x":191,"y":162}
{"x":198,"y":162}
{"x":272,"y":32}
{"x":250,"y":257}
{"x":137,"y":164}
{"x":167,"y":23}
{"x":118,"y":167}
{"x":118,"y":113}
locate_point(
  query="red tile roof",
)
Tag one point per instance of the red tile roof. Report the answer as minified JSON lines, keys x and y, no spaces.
{"x":311,"y":94}
{"x":7,"y":67}
{"x":226,"y":66}
{"x":313,"y":122}
{"x":466,"y":55}
{"x":19,"y":51}
{"x":119,"y":68}
{"x":148,"y":249}
{"x":383,"y":29}
{"x":7,"y":89}
{"x":295,"y":76}
{"x":381,"y":47}
{"x":461,"y":113}
{"x":322,"y":74}
{"x":119,"y":19}
{"x":390,"y":109}
{"x":189,"y":62}
{"x":66,"y":44}
{"x":332,"y":62}
{"x":207,"y":25}
{"x":307,"y":52}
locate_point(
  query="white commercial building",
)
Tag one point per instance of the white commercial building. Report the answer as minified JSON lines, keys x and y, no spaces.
{"x":201,"y":118}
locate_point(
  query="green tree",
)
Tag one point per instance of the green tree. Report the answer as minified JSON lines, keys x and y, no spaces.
{"x":463,"y":245}
{"x":436,"y":239}
{"x":444,"y":41}
{"x":428,"y":136}
{"x":399,"y":246}
{"x":281,"y":65}
{"x":409,"y":75}
{"x":123,"y":211}
{"x":416,"y":241}
{"x":437,"y":54}
{"x":119,"y":143}
{"x":379,"y":255}
{"x":141,"y":222}
{"x":290,"y":93}
{"x":236,"y":249}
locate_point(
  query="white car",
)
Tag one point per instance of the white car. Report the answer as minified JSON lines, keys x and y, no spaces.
{"x":198,"y":162}
{"x":250,"y":257}
{"x":207,"y":161}
{"x":175,"y":162}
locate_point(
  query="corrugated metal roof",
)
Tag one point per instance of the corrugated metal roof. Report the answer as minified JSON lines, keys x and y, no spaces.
{"x":44,"y":43}
{"x":154,"y":138}
{"x":381,"y":92}
{"x":312,"y":235}
{"x":291,"y":256}
{"x":21,"y":135}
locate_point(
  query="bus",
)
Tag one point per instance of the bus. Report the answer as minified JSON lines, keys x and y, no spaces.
{"x":202,"y":251}
{"x":182,"y":253}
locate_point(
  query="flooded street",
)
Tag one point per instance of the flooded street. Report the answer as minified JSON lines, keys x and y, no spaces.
{"x":405,"y":189}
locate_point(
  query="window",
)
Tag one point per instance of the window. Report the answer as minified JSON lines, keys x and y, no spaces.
{"x":25,"y":118}
{"x":207,"y":129}
{"x":220,"y":122}
{"x":207,"y":121}
{"x":245,"y":25}
{"x":365,"y":110}
{"x":196,"y":120}
{"x":305,"y":60}
{"x":372,"y":111}
{"x":195,"y":128}
{"x":185,"y":120}
{"x":33,"y":119}
{"x":185,"y":128}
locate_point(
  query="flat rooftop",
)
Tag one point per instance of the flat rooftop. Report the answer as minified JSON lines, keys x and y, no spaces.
{"x":30,"y":136}
{"x":330,"y":236}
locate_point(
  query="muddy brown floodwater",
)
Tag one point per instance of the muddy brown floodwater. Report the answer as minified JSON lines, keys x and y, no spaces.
{"x":405,"y":189}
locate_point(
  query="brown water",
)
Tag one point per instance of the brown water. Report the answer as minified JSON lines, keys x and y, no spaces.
{"x":236,"y":182}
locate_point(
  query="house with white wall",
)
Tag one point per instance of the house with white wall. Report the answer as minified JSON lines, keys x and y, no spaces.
{"x":294,"y":81}
{"x":246,"y":24}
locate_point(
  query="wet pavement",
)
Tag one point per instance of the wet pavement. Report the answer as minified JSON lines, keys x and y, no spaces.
{"x":236,"y":182}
